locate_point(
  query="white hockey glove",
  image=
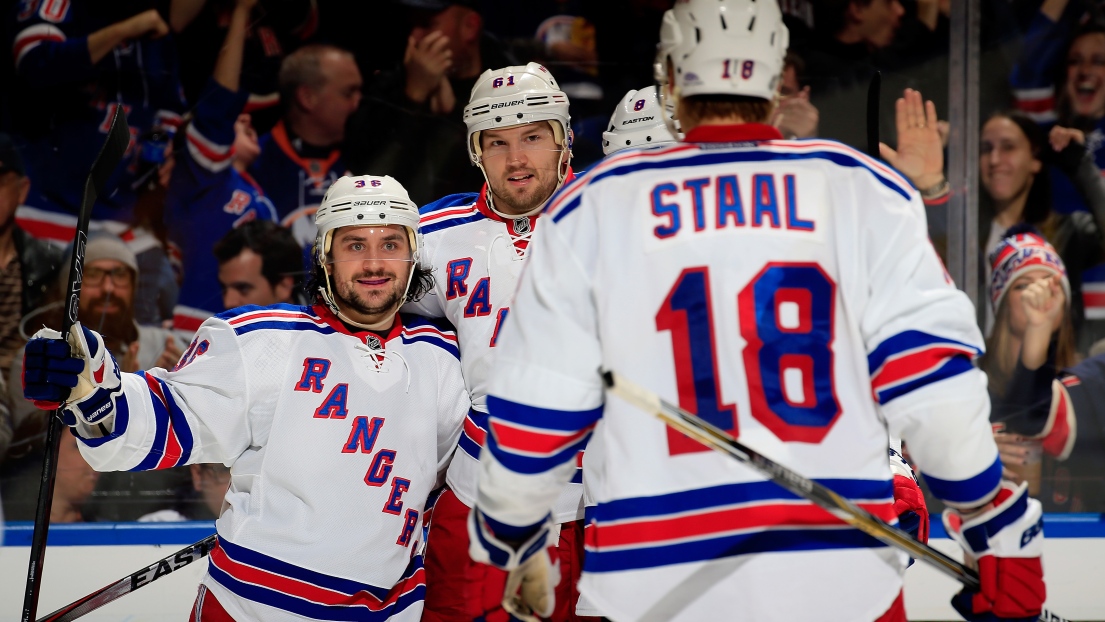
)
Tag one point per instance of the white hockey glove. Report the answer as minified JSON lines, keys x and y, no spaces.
{"x":1006,"y":540}
{"x":533,"y":566}
{"x":80,"y":373}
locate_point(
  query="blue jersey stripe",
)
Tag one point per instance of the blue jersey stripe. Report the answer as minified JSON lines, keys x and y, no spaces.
{"x":543,"y":418}
{"x":256,"y":559}
{"x":179,"y":423}
{"x":278,"y":325}
{"x":968,"y":491}
{"x":280,"y":306}
{"x":447,"y":223}
{"x":953,"y":367}
{"x":161,"y":432}
{"x":444,"y":344}
{"x":908,"y":340}
{"x":460,"y":199}
{"x":469,"y":446}
{"x":699,"y":158}
{"x":731,"y":494}
{"x":534,"y":465}
{"x":711,"y":549}
{"x":308,"y":609}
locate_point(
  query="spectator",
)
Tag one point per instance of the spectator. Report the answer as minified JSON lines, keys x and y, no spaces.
{"x":157,"y":288}
{"x":855,"y":38}
{"x":27,"y":266}
{"x":211,"y":193}
{"x":107,"y":305}
{"x":1015,"y":185}
{"x":410,"y":124}
{"x":272,"y":32}
{"x":86,"y":59}
{"x":73,"y":486}
{"x":320,"y":86}
{"x":848,"y":32}
{"x":260,"y":263}
{"x":202,"y":501}
{"x":1031,"y":340}
{"x":794,"y":115}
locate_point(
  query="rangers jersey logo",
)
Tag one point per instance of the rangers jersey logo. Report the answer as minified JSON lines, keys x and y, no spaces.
{"x":521,"y":226}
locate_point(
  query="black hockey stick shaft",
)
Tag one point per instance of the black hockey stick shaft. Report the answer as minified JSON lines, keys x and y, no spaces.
{"x":874,"y":92}
{"x":137,"y":579}
{"x":111,"y":154}
{"x":719,"y":440}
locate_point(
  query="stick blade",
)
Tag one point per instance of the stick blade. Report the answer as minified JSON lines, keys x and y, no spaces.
{"x":118,"y":139}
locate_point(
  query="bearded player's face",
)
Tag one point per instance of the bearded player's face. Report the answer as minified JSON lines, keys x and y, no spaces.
{"x":521,"y":163}
{"x":369,"y":269}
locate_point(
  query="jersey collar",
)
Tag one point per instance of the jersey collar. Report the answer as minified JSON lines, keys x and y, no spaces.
{"x":481,"y":200}
{"x":316,"y":168}
{"x":323,"y":312}
{"x":741,"y":133}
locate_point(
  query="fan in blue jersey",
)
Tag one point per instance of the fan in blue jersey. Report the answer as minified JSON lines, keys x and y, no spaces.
{"x":320,"y":87}
{"x":211,"y":192}
{"x":783,"y":290}
{"x":76,"y":62}
{"x":337,"y":420}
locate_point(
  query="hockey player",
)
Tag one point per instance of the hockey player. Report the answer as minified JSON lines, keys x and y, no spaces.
{"x":211,"y":193}
{"x":337,"y":420}
{"x":783,"y":290}
{"x":638,"y":121}
{"x":519,"y":137}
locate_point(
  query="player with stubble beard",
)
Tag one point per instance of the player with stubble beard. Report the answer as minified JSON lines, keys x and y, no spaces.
{"x":519,"y":137}
{"x":337,"y":420}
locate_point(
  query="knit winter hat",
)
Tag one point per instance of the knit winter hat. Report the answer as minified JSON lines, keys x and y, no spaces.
{"x":1022,"y":250}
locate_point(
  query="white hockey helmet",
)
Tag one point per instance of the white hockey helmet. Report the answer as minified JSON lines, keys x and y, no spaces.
{"x":638,"y":121}
{"x":360,"y":200}
{"x":722,"y":47}
{"x":515,"y":96}
{"x":364,"y":200}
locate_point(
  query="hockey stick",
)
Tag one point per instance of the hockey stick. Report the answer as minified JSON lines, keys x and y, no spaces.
{"x":133,"y":581}
{"x":874,"y":91}
{"x":111,"y":154}
{"x":719,"y":440}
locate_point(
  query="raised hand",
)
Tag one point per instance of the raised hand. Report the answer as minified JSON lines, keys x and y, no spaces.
{"x":920,"y":153}
{"x":426,"y":61}
{"x":1060,"y":137}
{"x":1044,"y":302}
{"x":796,"y":117}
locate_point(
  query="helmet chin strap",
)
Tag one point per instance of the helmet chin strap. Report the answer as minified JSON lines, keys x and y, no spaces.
{"x":661,"y":90}
{"x":331,"y":302}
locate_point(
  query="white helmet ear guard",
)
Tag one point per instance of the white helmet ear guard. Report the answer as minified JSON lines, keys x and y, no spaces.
{"x":722,"y":47}
{"x":638,"y":121}
{"x":366,"y":200}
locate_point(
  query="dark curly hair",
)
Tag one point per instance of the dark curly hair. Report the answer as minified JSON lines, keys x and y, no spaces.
{"x":421,"y":284}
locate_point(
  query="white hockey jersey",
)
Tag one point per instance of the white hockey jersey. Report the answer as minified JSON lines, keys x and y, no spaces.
{"x":477,"y":258}
{"x":785,"y":291}
{"x":334,"y":441}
